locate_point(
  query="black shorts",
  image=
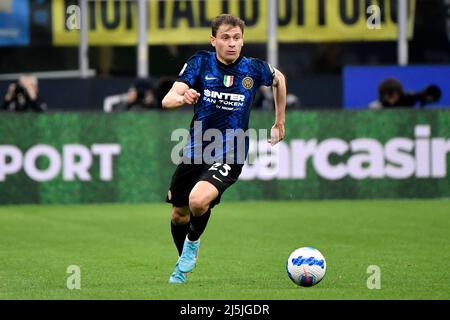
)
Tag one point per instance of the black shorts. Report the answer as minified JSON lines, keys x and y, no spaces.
{"x":187,"y":175}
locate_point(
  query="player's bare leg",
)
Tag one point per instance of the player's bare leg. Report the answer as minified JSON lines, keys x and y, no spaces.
{"x":200,"y":199}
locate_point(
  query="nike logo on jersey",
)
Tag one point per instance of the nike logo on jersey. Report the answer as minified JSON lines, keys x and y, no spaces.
{"x":210,"y":78}
{"x":214,"y":176}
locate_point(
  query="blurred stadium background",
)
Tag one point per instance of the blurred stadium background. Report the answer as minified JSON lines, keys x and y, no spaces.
{"x":101,"y":137}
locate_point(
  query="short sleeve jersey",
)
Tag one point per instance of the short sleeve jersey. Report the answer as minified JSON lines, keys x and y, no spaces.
{"x":226,"y":96}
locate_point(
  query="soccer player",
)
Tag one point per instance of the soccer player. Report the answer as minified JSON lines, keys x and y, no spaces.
{"x":221,"y":85}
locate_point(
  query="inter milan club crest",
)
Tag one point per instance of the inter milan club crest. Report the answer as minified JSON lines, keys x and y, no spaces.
{"x":228,"y":81}
{"x":247,"y":82}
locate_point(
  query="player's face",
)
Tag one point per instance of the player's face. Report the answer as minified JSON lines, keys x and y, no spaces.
{"x":228,"y":42}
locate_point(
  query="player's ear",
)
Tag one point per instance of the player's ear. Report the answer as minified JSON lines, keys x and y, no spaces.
{"x":213,"y":41}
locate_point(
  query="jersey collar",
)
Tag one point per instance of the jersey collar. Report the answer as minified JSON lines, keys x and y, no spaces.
{"x":228,"y":65}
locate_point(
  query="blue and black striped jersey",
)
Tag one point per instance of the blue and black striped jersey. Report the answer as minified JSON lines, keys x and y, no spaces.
{"x":226,"y":96}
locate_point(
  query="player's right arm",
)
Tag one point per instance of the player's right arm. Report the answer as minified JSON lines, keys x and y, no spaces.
{"x":180,"y":94}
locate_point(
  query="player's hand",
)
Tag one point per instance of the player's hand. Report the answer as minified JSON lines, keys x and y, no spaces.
{"x":191,"y":96}
{"x":276,"y":133}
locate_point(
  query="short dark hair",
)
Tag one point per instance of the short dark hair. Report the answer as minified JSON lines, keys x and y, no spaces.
{"x":390,"y":86}
{"x":227,"y":19}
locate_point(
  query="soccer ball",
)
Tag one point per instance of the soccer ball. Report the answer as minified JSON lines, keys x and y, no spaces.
{"x":306,"y":266}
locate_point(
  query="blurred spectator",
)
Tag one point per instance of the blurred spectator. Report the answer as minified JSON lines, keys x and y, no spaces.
{"x":392,"y":95}
{"x":24,"y":96}
{"x":140,"y":97}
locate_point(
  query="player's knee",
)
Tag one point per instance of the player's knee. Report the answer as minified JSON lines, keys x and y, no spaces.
{"x":198,"y":204}
{"x":180,"y":216}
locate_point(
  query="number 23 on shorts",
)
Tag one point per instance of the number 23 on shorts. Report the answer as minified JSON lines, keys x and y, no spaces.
{"x":225,"y":168}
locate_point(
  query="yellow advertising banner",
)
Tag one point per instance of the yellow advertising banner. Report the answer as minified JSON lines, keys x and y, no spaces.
{"x":115,"y":22}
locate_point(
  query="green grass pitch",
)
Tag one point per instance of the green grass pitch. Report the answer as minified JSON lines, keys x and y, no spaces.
{"x":126,"y":251}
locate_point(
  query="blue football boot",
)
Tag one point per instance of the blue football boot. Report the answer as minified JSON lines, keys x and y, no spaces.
{"x":177,"y":276}
{"x":188,"y":257}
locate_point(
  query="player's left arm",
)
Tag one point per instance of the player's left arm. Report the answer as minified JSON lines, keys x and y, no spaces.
{"x":279,"y":95}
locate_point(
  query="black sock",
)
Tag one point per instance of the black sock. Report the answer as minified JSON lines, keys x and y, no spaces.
{"x":198,"y":225}
{"x":179,"y":233}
